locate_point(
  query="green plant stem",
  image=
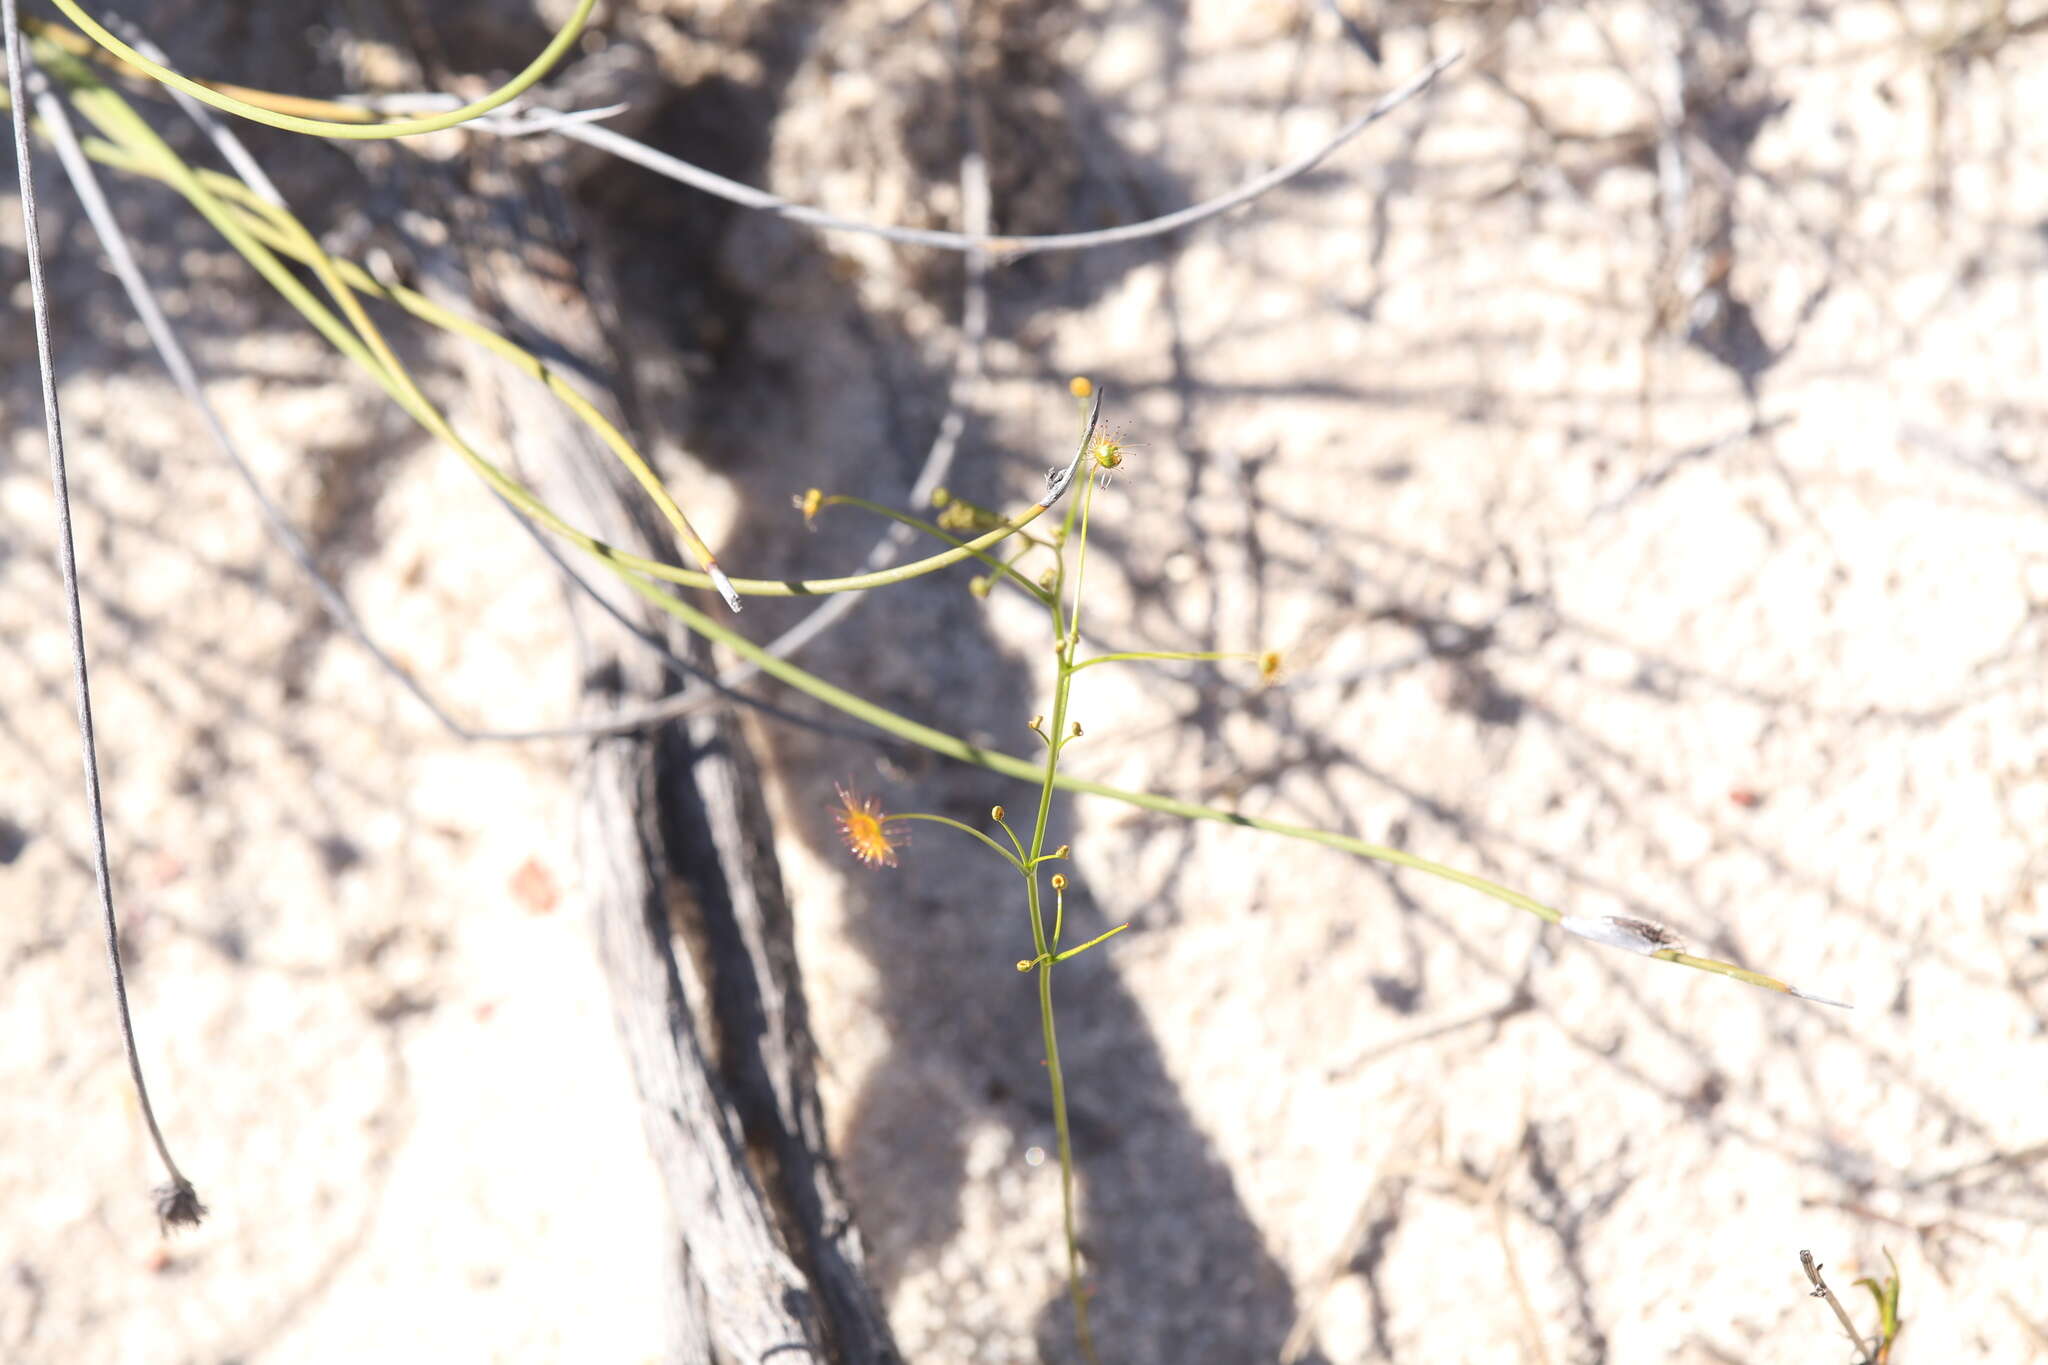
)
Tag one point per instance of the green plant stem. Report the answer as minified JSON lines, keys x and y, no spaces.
{"x":1081,"y":948}
{"x":282,"y":232}
{"x":557,"y":48}
{"x":297,"y":241}
{"x":1068,"y":641}
{"x":1017,"y":844}
{"x":1002,"y":568}
{"x":1168,"y":656}
{"x":1075,"y":1290}
{"x":251,"y":225}
{"x":1071,"y":640}
{"x":1012,"y":859}
{"x":1048,"y":949}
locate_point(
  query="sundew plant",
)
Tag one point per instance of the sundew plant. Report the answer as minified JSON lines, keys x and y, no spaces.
{"x":865,"y":827}
{"x":83,"y":70}
{"x":1051,"y":570}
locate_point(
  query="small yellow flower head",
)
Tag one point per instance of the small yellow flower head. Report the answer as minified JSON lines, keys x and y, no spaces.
{"x":1059,"y":881}
{"x":809,"y":504}
{"x":996,"y":814}
{"x":865,"y":829}
{"x":1063,"y":850}
{"x":1080,"y":387}
{"x":1025,"y":964}
{"x":1269,"y":666}
{"x":940,"y":497}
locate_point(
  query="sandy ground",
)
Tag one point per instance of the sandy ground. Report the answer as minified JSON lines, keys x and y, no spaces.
{"x":1653,"y":519}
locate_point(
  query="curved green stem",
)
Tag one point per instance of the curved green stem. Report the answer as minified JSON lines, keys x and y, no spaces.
{"x":282,"y":232}
{"x":1018,"y":844}
{"x":253,"y":227}
{"x":1002,"y":568}
{"x":1007,"y":856}
{"x":1169,"y":656}
{"x":553,"y":53}
{"x":1071,"y":639}
{"x":1079,"y":949}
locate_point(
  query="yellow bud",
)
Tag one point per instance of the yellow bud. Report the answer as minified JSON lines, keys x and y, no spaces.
{"x":1077,"y":730}
{"x":996,"y":814}
{"x":1059,"y":881}
{"x":809,"y":504}
{"x":940,"y":497}
{"x":1062,"y":850}
{"x":1269,"y":665}
{"x":980,"y":585}
{"x":1047,"y":579}
{"x":1024,"y":964}
{"x":1080,"y":387}
{"x":1036,"y":723}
